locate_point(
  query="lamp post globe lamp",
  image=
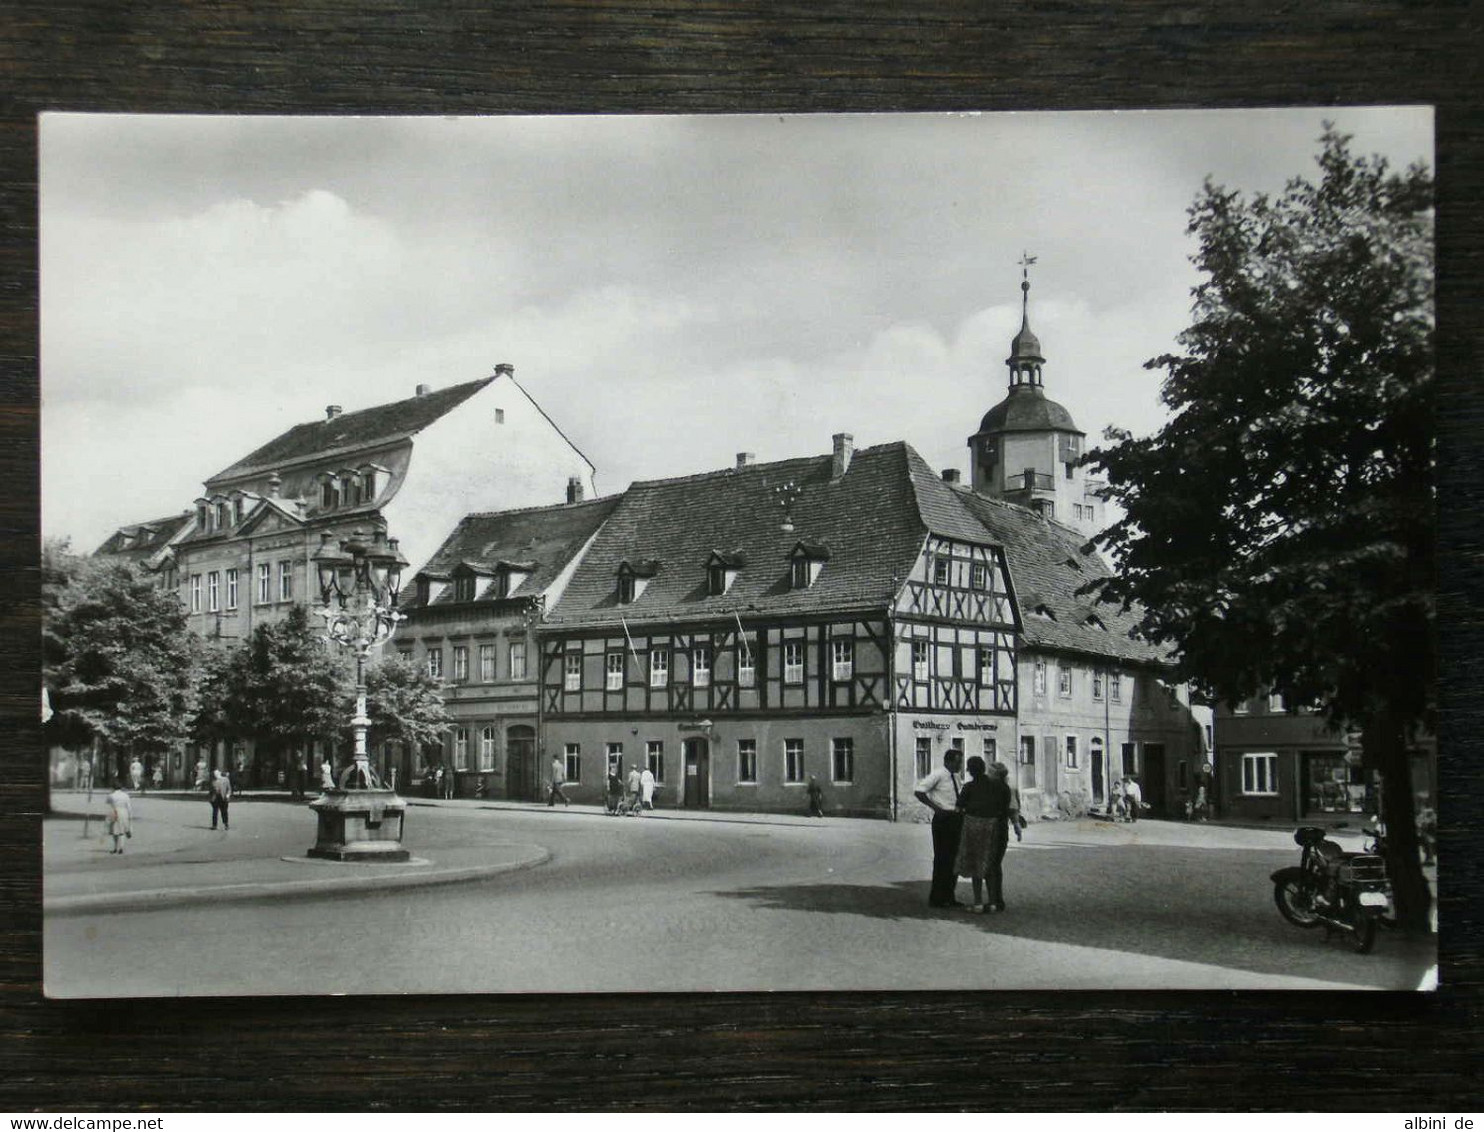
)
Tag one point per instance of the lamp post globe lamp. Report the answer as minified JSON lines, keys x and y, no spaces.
{"x":360,"y":818}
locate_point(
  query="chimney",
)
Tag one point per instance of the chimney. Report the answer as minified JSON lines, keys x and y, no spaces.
{"x":275,"y":481}
{"x":424,"y":390}
{"x":331,"y":412}
{"x":746,"y":458}
{"x":505,"y":368}
{"x":950,"y":475}
{"x":574,"y":489}
{"x":844,"y":449}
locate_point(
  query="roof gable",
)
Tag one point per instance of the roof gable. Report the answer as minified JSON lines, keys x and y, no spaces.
{"x":349,"y":432}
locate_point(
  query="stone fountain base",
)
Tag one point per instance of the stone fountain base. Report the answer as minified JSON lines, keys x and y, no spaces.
{"x":359,"y":825}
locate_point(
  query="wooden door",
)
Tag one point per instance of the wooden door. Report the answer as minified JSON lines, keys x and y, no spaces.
{"x":697,"y":774}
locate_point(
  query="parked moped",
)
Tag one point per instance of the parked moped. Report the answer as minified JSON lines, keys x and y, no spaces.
{"x":1333,"y":889}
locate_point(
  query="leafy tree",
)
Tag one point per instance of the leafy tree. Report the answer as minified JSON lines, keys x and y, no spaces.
{"x":1278,"y":531}
{"x":283,"y":687}
{"x":119,"y":661}
{"x":404,"y":704}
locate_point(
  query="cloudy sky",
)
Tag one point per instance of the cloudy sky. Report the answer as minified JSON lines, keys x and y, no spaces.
{"x":672,"y":290}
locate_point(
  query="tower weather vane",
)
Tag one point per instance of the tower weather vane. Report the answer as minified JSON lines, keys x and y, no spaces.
{"x":1025,"y":262}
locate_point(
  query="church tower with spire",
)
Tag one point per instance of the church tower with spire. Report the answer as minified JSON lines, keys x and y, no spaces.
{"x":1027,"y":446}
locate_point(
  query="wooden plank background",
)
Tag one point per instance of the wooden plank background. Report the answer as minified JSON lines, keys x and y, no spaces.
{"x":1020,"y":1052}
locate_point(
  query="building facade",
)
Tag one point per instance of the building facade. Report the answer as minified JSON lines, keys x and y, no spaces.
{"x":471,"y":618}
{"x":242,"y":555}
{"x":1282,"y":764}
{"x":837,"y":617}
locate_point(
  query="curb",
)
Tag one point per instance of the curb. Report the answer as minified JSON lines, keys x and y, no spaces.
{"x":147,"y":900}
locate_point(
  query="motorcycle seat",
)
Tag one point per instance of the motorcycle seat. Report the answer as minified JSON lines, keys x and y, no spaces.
{"x":1308,"y":835}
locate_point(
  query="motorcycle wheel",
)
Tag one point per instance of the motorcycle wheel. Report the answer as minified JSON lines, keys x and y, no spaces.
{"x":1295,"y":899}
{"x":1365,"y":935}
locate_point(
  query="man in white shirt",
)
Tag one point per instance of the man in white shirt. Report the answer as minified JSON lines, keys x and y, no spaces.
{"x":938,"y":791}
{"x":1133,"y":797}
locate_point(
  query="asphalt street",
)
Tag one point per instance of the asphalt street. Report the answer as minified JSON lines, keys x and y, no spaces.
{"x":672,"y":903}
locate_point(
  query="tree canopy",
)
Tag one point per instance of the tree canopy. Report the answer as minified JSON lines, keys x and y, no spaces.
{"x":404,"y":704}
{"x":119,"y":663}
{"x":1278,"y":531}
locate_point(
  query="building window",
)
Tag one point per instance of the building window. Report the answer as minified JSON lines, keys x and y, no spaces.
{"x":221,"y":515}
{"x":327,"y":494}
{"x":924,"y":756}
{"x":1028,"y":749}
{"x":799,"y":578}
{"x":615,"y":758}
{"x":940,"y":570}
{"x":487,"y":748}
{"x":716,"y":580}
{"x":842,"y":760}
{"x":435,"y":663}
{"x":978,"y":576}
{"x":659,"y":667}
{"x":1038,"y":678}
{"x":405,"y":655}
{"x":842,"y":659}
{"x":285,"y":581}
{"x":654,"y":758}
{"x":461,"y":749}
{"x":746,"y":667}
{"x":265,"y":583}
{"x":793,"y":662}
{"x":746,"y":760}
{"x":572,"y":763}
{"x":232,"y":588}
{"x":991,"y":750}
{"x":919,"y":660}
{"x":1260,"y":773}
{"x":1097,"y":686}
{"x":700,"y":666}
{"x":1064,"y":681}
{"x":213,"y":591}
{"x":1115,"y":687}
{"x":1129,"y":752}
{"x":1073,"y":759}
{"x":793,"y":760}
{"x":613,"y":672}
{"x":625,"y":589}
{"x":1240,"y":707}
{"x":1276,"y":705}
{"x":499,"y":416}
{"x":460,"y":664}
{"x":463,"y":588}
{"x":986,"y":667}
{"x":517,"y":660}
{"x":572,"y":672}
{"x":195,"y":593}
{"x":486,"y":664}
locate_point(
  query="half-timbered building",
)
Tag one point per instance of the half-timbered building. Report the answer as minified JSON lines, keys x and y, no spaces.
{"x":839,"y":617}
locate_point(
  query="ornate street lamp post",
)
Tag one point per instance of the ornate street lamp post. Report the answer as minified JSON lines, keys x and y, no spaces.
{"x":360,"y":819}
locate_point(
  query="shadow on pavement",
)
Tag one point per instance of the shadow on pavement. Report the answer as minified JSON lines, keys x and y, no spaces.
{"x":1118,"y":902}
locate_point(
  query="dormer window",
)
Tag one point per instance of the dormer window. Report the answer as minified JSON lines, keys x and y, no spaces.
{"x":328,"y":495}
{"x":721,"y":572}
{"x":463,"y":587}
{"x":237,"y":508}
{"x":369,"y":484}
{"x":806,"y":560}
{"x":201,"y":514}
{"x":424,"y":589}
{"x":221,"y":514}
{"x":633,"y":578}
{"x":1095,"y":622}
{"x":1044,"y":611}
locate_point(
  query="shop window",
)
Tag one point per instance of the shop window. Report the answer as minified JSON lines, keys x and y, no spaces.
{"x":1260,"y":773}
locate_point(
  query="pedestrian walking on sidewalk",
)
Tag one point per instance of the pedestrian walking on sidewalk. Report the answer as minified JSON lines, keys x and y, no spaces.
{"x":136,"y":775}
{"x":120,"y":816}
{"x":220,"y":796}
{"x":615,"y":790}
{"x":646,"y":789}
{"x":938,"y":791}
{"x":160,"y":774}
{"x":635,"y":781}
{"x":558,"y":775}
{"x":816,"y":798}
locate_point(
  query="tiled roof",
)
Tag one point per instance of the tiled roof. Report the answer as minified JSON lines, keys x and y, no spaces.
{"x":545,"y":538}
{"x":873,"y":520}
{"x":1048,"y":564}
{"x":351,"y":431}
{"x":139,"y":541}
